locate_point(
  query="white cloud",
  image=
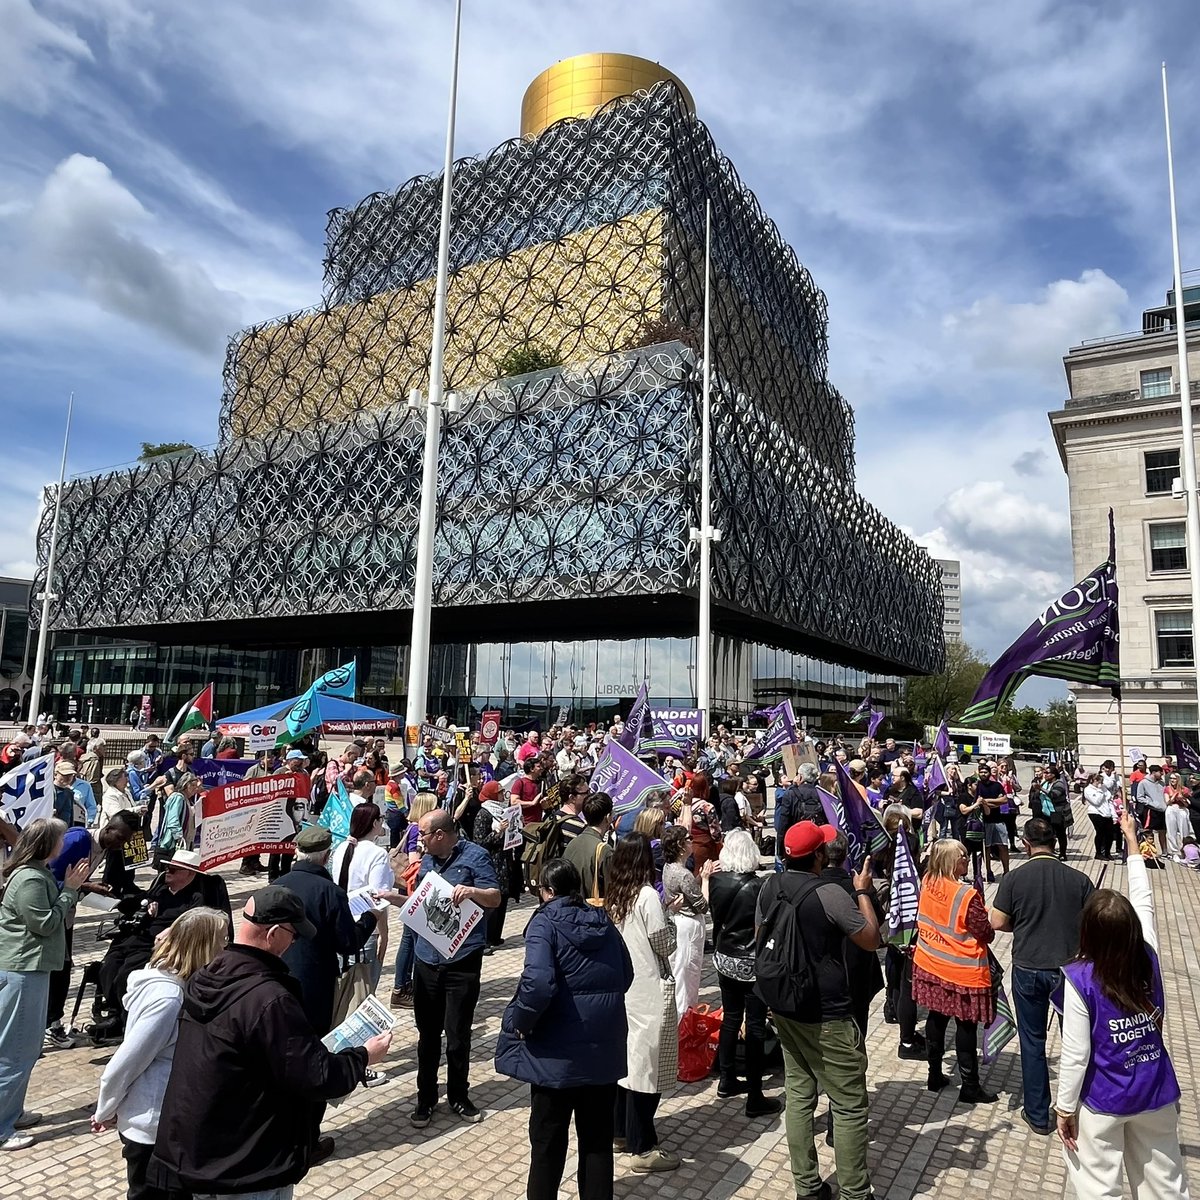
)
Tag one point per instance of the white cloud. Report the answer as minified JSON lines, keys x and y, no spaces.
{"x":90,"y":228}
{"x":1033,"y":335}
{"x":36,"y":53}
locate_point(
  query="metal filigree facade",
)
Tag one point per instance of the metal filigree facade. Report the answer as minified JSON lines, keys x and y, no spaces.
{"x":574,"y":484}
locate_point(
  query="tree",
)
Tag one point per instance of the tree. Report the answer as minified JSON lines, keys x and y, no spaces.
{"x":524,"y":359}
{"x":931,"y":697}
{"x":157,"y":449}
{"x":1062,"y":729}
{"x":1025,"y":725}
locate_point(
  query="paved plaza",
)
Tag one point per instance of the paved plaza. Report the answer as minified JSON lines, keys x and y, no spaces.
{"x":921,"y":1144}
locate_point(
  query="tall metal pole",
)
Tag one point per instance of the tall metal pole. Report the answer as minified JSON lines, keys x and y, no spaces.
{"x":706,"y":534}
{"x":48,"y":596}
{"x":1188,"y":456}
{"x":418,"y":659}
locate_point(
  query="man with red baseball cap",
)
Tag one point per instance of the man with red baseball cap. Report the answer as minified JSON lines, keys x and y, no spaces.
{"x":822,"y":1047}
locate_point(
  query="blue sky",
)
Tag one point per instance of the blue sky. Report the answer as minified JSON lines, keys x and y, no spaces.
{"x":976,"y":187}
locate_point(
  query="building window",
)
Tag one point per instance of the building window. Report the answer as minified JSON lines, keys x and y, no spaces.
{"x":1156,"y":383}
{"x":1162,"y":468}
{"x":1173,"y":633}
{"x":1177,"y":721}
{"x":1168,"y":547}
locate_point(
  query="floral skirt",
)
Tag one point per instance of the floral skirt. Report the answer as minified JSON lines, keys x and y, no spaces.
{"x":962,"y":1003}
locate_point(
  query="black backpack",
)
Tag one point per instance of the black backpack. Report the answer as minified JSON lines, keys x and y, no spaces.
{"x":785,"y":977}
{"x":543,"y":842}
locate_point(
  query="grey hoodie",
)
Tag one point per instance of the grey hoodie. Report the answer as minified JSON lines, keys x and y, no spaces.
{"x":133,"y":1083}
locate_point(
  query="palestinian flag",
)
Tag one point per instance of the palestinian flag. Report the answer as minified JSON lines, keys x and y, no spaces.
{"x":195,"y":714}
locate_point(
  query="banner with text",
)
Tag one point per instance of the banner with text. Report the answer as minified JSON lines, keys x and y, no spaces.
{"x":250,"y":817}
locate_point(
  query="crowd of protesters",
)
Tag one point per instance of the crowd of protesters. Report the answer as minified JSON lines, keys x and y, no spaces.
{"x":632,"y":905}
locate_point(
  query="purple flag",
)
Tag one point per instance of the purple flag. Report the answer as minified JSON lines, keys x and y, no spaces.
{"x":781,"y":733}
{"x":906,"y":893}
{"x":862,"y":710}
{"x":1075,"y":637}
{"x":627,"y":780}
{"x":835,"y":815}
{"x":628,"y":737}
{"x":935,"y":776}
{"x":941,"y":743}
{"x":874,"y":723}
{"x":862,"y":821}
{"x":1184,"y":753}
{"x":1000,"y":1032}
{"x":662,"y":741}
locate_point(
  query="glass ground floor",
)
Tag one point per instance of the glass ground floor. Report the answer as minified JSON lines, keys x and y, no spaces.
{"x":530,"y":681}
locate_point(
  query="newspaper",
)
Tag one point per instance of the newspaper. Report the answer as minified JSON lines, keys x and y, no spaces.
{"x":362,"y":900}
{"x":365,"y":1022}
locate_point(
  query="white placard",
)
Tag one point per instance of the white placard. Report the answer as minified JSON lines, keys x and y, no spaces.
{"x":995,"y":743}
{"x":262,"y":735}
{"x":432,"y":915}
{"x":513,"y":826}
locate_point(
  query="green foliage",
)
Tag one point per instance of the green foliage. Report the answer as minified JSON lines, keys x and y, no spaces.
{"x":1025,"y":725}
{"x":930,"y":697}
{"x":521,"y":360}
{"x":157,"y":449}
{"x":1062,"y":728}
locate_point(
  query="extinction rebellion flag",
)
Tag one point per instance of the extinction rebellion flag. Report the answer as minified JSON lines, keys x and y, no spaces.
{"x":1075,"y":637}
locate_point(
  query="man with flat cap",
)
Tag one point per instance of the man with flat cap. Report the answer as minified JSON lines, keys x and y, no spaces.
{"x":316,"y":962}
{"x":250,"y":1077}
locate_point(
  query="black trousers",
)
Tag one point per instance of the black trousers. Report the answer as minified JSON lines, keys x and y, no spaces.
{"x":137,"y":1158}
{"x":1106,"y":833}
{"x":60,"y":984}
{"x":966,"y":1053}
{"x":1010,"y":826}
{"x":279,"y":864}
{"x":898,"y":973}
{"x":494,"y":922}
{"x":550,"y":1112}
{"x":633,"y":1115}
{"x":1059,"y":824}
{"x":738,"y":1000}
{"x":444,"y":999}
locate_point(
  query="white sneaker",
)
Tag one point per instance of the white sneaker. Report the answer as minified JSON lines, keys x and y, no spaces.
{"x":375,"y":1078}
{"x":18,"y":1141}
{"x":57,"y":1038}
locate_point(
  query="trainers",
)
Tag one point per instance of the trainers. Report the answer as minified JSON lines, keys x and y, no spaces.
{"x":912,"y":1050}
{"x":27,"y":1120}
{"x":653,"y":1160}
{"x":619,"y":1145}
{"x":18,"y":1141}
{"x":375,"y":1078}
{"x":57,"y":1038}
{"x":466,"y":1110}
{"x":421,"y":1115}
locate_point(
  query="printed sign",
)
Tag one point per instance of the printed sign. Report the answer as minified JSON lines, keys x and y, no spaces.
{"x":262,"y":735}
{"x":680,"y":722}
{"x":431,"y":914}
{"x":489,"y":727}
{"x":250,"y":817}
{"x":136,"y":852}
{"x":513,"y":835}
{"x":995,"y":743}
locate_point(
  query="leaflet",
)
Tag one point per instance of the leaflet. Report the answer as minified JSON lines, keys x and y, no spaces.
{"x":368,"y":1020}
{"x":362,"y":900}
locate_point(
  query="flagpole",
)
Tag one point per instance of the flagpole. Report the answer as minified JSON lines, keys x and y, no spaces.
{"x":39,"y":661}
{"x":422,"y":611}
{"x":706,"y":534}
{"x":1121,"y":744}
{"x":1192,"y":513}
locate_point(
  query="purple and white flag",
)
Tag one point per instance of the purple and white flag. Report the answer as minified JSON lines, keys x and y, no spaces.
{"x":631,"y":734}
{"x":626,"y":779}
{"x":835,"y":815}
{"x":935,"y":776}
{"x":781,"y":733}
{"x":863,"y":710}
{"x":906,"y":893}
{"x":1000,"y":1032}
{"x":874,"y":723}
{"x":941,"y":742}
{"x":1184,"y":754}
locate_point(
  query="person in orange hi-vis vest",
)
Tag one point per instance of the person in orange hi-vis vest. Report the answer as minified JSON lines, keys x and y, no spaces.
{"x":950,"y":974}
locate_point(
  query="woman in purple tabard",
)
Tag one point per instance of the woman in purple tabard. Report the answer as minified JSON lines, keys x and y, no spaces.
{"x":1118,"y":1098}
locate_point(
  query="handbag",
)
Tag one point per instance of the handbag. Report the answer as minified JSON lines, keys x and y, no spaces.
{"x":699,"y":1031}
{"x":595,"y":899}
{"x":352,"y":988}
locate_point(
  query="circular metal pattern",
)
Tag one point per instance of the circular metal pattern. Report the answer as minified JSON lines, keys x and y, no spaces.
{"x":570,"y":483}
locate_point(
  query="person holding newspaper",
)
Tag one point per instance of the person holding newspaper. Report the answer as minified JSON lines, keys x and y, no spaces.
{"x":245,"y":1047}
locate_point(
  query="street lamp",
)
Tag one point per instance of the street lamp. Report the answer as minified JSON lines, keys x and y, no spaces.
{"x":418,"y":659}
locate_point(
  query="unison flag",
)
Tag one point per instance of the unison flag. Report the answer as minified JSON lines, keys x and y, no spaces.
{"x":626,"y":779}
{"x":1075,"y":637}
{"x":874,"y":723}
{"x":862,"y":710}
{"x":835,"y":815}
{"x":1001,"y":1031}
{"x":662,"y":741}
{"x":781,"y":733}
{"x":906,"y":893}
{"x":941,"y":743}
{"x":1184,"y":754}
{"x":935,"y":776}
{"x":631,"y":734}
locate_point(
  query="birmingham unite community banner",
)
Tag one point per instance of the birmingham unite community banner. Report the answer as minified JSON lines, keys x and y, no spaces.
{"x":627,"y":780}
{"x":250,"y":817}
{"x":1075,"y":637}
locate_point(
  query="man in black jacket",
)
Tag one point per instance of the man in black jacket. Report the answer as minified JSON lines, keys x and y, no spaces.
{"x":316,"y":962}
{"x":250,"y":1078}
{"x":799,"y":802}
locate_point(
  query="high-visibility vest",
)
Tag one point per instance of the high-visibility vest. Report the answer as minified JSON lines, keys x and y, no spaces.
{"x":944,"y":946}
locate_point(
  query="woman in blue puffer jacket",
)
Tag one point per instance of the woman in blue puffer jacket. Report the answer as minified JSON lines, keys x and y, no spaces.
{"x":564,"y":1034}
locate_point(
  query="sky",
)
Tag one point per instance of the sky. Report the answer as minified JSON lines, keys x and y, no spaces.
{"x":975,"y":187}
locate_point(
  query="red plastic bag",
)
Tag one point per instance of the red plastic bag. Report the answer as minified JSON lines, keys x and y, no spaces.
{"x":698,"y":1034}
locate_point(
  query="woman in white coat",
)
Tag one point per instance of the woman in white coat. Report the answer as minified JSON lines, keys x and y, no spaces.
{"x":135,"y":1080}
{"x":653,"y":1046}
